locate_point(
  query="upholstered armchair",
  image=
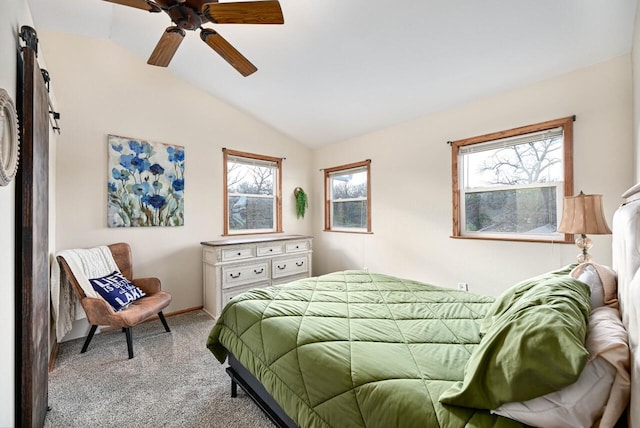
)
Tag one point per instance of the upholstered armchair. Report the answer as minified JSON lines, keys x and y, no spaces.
{"x":99,"y":312}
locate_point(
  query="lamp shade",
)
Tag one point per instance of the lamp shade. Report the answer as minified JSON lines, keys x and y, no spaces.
{"x":583,"y":214}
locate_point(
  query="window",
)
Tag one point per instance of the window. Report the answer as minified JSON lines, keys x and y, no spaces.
{"x":511,"y":184}
{"x":252,"y":193}
{"x":347,"y":198}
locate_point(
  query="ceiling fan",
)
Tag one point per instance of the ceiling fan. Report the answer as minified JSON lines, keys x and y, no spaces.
{"x":191,"y":14}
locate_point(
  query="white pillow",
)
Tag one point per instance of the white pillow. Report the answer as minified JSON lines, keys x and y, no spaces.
{"x":601,"y":280}
{"x":578,"y":405}
{"x":590,"y":277}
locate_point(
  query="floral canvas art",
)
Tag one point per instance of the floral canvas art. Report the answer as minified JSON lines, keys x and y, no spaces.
{"x":146,"y":183}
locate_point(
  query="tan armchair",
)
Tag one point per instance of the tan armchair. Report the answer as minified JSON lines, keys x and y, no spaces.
{"x":99,"y":312}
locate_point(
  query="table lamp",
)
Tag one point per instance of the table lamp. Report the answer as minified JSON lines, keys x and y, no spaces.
{"x":583,"y":215}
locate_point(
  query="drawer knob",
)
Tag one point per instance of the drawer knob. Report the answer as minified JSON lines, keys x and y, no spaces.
{"x":297,"y":246}
{"x":282,"y":267}
{"x":299,"y":264}
{"x":258,"y":272}
{"x":270,"y":249}
{"x":239,"y":254}
{"x":235,"y":276}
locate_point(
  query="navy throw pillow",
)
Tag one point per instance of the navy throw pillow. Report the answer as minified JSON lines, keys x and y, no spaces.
{"x":117,"y":290}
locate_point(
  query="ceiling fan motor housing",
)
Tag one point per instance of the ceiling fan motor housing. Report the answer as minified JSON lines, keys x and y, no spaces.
{"x":185,"y":17}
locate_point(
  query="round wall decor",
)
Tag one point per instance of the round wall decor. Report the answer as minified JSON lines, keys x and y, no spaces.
{"x":9,"y":144}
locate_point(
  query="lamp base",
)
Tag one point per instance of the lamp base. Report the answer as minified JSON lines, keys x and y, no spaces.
{"x":584,"y":243}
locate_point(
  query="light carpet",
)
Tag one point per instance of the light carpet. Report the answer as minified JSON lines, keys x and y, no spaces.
{"x":172,"y":381}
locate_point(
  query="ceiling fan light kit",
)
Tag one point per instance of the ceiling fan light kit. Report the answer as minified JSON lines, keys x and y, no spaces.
{"x":192,"y":14}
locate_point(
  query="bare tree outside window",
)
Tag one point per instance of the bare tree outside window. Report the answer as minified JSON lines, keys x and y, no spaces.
{"x":252,"y":193}
{"x":525,"y":207}
{"x":349,"y":200}
{"x":526,"y":163}
{"x":348,"y":203}
{"x":511,"y":188}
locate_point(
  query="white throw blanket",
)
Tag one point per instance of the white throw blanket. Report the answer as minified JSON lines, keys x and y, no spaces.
{"x":84,"y":263}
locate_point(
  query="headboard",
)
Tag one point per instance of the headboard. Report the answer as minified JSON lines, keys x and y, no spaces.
{"x":626,"y":262}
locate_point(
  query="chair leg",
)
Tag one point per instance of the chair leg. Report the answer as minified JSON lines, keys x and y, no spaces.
{"x":164,"y":322}
{"x":88,"y":339}
{"x":129,"y":342}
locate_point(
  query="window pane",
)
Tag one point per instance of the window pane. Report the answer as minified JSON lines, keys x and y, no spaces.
{"x":250,"y":213}
{"x":528,"y":211}
{"x":352,"y":214}
{"x":536,"y":162}
{"x":249,"y":179}
{"x":509,"y":184}
{"x":348,"y":207}
{"x":349,"y":186}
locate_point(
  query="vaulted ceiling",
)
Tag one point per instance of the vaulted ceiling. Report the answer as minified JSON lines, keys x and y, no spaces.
{"x":339,"y":69}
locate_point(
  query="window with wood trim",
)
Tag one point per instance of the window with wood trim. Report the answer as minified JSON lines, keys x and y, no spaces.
{"x":252,"y":193}
{"x":347,"y":190}
{"x":510,"y":184}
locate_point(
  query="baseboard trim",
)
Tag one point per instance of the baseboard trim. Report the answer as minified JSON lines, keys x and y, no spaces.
{"x":180,"y":312}
{"x":54,"y":350}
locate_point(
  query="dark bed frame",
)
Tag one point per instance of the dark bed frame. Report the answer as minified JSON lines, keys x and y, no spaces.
{"x":254,"y":389}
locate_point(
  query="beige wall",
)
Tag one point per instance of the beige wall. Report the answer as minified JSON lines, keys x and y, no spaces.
{"x":410,"y":163}
{"x":102,"y":89}
{"x":411,"y":182}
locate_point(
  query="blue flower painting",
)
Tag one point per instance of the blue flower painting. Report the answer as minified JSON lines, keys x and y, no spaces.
{"x":146,"y":183}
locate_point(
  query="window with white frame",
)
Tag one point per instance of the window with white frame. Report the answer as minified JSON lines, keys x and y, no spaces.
{"x":252,"y":193}
{"x":347,"y":198}
{"x":511,"y":184}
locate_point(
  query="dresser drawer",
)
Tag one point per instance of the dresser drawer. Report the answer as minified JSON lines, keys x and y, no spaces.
{"x":233,"y":276}
{"x":230,"y":293}
{"x":298,"y":246}
{"x":286,"y":267}
{"x":229,"y":254}
{"x":270,"y":250}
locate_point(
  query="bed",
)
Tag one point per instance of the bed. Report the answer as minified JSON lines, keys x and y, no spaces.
{"x":355,"y":349}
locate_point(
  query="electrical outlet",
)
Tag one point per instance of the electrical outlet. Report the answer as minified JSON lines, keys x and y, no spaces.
{"x":366,"y":269}
{"x":463,"y":286}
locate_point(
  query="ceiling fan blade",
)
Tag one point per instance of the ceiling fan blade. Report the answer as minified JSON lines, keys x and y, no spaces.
{"x":138,"y":4}
{"x":228,"y":52}
{"x":166,"y":47}
{"x":248,"y":12}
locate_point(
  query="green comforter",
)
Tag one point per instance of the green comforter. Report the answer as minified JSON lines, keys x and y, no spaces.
{"x":353,"y":349}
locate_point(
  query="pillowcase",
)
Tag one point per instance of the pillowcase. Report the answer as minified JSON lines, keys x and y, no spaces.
{"x":589,"y":276}
{"x":601,"y":280}
{"x":117,"y":290}
{"x":583,"y":403}
{"x":534,"y":344}
{"x":578,"y":405}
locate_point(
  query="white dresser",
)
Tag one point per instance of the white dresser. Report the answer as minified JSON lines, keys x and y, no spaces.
{"x":232,"y":266}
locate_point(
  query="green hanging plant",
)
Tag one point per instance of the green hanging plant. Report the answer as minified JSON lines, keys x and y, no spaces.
{"x":302,"y":201}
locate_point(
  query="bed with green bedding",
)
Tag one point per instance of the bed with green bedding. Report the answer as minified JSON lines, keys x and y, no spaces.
{"x":354,"y":349}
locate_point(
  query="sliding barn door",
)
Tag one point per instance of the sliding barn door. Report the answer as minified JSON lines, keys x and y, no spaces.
{"x":32,"y":247}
